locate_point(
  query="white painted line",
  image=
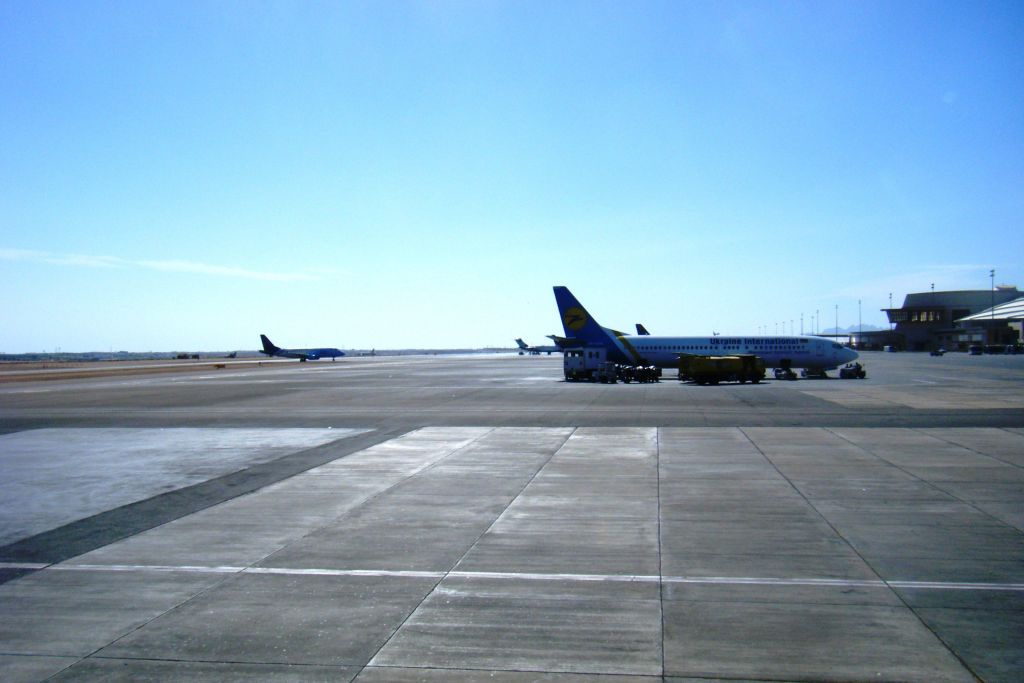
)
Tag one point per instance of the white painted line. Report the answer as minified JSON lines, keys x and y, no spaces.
{"x":765,"y":581}
{"x":346,"y":572}
{"x":936,"y":585}
{"x":512,"y":576}
{"x":517,"y":576}
{"x":196,"y":569}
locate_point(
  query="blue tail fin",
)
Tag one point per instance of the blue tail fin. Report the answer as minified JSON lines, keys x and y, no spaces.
{"x":582,"y":327}
{"x":268,"y":346}
{"x":577,"y":323}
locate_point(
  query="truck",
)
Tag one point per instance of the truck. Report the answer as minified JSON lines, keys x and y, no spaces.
{"x":714,"y":369}
{"x":580,"y":364}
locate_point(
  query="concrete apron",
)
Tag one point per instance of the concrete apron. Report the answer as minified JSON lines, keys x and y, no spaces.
{"x":806,"y":554}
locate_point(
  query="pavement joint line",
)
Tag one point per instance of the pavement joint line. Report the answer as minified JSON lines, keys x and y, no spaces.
{"x":520,"y":576}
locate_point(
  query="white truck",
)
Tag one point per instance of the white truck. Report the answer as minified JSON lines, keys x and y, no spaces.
{"x":582,"y":363}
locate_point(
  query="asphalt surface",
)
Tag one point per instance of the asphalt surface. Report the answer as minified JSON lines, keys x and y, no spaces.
{"x":477,"y":518}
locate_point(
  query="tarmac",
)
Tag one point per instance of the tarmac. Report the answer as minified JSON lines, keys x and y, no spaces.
{"x":476,"y":518}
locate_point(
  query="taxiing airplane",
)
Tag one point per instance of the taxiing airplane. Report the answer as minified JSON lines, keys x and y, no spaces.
{"x":816,"y":354}
{"x":302,"y":354}
{"x":537,"y":350}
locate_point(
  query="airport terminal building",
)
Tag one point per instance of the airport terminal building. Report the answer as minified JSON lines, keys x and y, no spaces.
{"x":953,"y":320}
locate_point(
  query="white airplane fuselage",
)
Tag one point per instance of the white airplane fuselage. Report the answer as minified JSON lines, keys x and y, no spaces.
{"x":777,"y":351}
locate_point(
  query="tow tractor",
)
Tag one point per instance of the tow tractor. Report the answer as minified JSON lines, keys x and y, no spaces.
{"x":607,"y":373}
{"x":784,"y":371}
{"x":852,"y":371}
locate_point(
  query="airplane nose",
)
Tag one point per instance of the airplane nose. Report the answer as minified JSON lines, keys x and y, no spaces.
{"x":851,"y":355}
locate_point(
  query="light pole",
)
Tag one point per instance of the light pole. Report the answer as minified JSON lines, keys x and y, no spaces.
{"x":992,"y":307}
{"x":860,"y":325}
{"x":837,"y":321}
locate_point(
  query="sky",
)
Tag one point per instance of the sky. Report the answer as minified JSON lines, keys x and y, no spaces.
{"x":188,"y":175}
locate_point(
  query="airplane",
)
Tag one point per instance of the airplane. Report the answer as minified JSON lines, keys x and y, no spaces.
{"x":815,"y":354}
{"x":641,"y":330}
{"x":537,"y":350}
{"x":302,"y":354}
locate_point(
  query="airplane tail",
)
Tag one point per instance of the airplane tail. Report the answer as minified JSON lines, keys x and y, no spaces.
{"x":641,"y":330}
{"x":577,"y":323}
{"x":268,"y":346}
{"x":581,"y":326}
{"x":522,"y":344}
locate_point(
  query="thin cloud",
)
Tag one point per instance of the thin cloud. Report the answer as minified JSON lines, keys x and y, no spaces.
{"x":223,"y":271}
{"x":169,"y":266}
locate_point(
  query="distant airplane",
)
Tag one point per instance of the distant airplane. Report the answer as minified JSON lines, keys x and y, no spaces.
{"x":233,"y":354}
{"x":537,"y":350}
{"x":816,"y":354}
{"x":641,"y":330}
{"x":302,"y":354}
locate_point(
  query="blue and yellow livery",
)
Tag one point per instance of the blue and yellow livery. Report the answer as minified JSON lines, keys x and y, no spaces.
{"x":816,"y":354}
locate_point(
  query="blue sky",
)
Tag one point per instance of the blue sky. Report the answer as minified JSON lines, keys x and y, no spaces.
{"x":186,"y":175}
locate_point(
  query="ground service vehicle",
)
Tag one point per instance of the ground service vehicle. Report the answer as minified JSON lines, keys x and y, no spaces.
{"x":607,"y":373}
{"x":715,"y":369}
{"x":581,"y":363}
{"x":852,"y":371}
{"x":591,"y":364}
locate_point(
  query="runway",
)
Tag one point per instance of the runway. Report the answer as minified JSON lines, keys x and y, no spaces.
{"x":477,"y":518}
